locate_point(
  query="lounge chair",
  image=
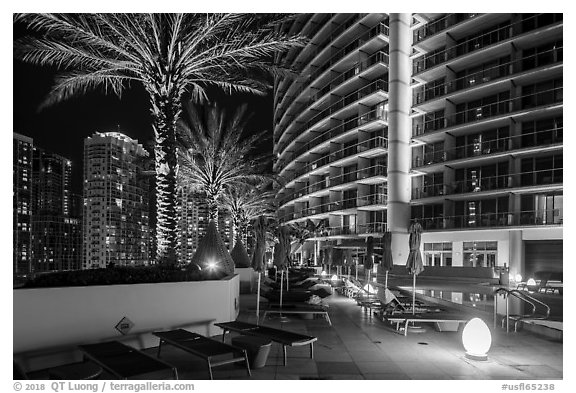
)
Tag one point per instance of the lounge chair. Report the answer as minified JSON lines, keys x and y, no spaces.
{"x":203,"y":347}
{"x":125,"y":362}
{"x":431,"y":317}
{"x":280,"y":336}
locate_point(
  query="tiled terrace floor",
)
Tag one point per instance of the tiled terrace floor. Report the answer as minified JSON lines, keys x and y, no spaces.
{"x":359,"y":347}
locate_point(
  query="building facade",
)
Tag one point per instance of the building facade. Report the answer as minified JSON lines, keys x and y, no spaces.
{"x":56,"y":227}
{"x":22,"y":148}
{"x":451,"y":120}
{"x":116,"y":202}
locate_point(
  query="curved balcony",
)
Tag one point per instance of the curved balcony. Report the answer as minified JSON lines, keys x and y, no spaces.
{"x":478,"y":114}
{"x":491,"y":74}
{"x":439,"y":25}
{"x":380,"y":29}
{"x":369,"y":175}
{"x":339,"y":130}
{"x":300,"y":107}
{"x":542,"y":179}
{"x":493,"y":220}
{"x":477,"y":43}
{"x":352,"y":98}
{"x":369,"y":148}
{"x":540,"y":139}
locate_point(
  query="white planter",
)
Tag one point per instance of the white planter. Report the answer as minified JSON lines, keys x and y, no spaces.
{"x":50,"y":319}
{"x":248,"y":279}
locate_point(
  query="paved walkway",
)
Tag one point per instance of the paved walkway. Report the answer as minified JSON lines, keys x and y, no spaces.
{"x":359,"y":347}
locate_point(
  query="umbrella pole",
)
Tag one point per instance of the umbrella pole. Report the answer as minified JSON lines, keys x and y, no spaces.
{"x":414,"y":295}
{"x":386,"y":280}
{"x":281,"y":288}
{"x":258,"y":299}
{"x":287,"y":284}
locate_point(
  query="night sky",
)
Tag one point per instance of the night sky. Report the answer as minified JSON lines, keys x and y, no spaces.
{"x":62,"y":128}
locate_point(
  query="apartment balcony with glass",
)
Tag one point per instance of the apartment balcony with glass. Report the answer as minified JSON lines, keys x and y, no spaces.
{"x":544,"y":172}
{"x":462,"y":48}
{"x":530,"y":137}
{"x":470,"y":115}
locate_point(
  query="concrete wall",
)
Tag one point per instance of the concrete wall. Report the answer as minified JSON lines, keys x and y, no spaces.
{"x":52,"y":320}
{"x":248,"y":278}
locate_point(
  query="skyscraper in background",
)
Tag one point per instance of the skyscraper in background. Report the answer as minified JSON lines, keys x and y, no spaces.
{"x":22,"y":148}
{"x":116,"y":202}
{"x":56,"y":228}
{"x":451,"y":120}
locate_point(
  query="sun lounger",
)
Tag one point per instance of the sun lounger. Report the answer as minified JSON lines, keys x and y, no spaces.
{"x":203,"y":347}
{"x":280,"y":336}
{"x":299,"y":309}
{"x":432,"y":317}
{"x":125,"y":362}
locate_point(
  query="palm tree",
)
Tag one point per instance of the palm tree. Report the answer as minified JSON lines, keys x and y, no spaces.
{"x":170,"y":55}
{"x":216,"y":154}
{"x":246,"y":203}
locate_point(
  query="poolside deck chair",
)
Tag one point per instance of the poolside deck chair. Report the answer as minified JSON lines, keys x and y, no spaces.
{"x":283,"y":337}
{"x":203,"y":347}
{"x":125,"y":362}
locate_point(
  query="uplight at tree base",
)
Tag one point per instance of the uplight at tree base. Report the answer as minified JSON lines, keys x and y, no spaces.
{"x":477,"y":339}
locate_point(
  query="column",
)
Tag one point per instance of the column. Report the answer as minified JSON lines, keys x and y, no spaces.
{"x":399,"y":135}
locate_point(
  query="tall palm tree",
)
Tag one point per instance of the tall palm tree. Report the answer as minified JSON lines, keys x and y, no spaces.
{"x":246,"y":203}
{"x":170,"y":55}
{"x":217,"y":154}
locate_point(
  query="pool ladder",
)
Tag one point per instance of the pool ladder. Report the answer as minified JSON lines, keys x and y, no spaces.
{"x":517,"y":318}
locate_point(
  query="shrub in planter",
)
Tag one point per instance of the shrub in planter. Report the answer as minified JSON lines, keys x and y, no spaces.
{"x":119,"y":275}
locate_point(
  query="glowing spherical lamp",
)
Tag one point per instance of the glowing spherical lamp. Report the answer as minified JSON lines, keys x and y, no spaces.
{"x":518,"y":278}
{"x":334,"y":278}
{"x":531,"y":284}
{"x":323,"y":273}
{"x":531,"y":281}
{"x":477,"y":339}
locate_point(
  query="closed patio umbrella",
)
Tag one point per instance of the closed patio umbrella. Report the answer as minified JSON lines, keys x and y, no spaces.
{"x":387,"y":262}
{"x":369,"y":260}
{"x":282,"y":255}
{"x":414,"y":263}
{"x":258,"y":255}
{"x":348,"y":259}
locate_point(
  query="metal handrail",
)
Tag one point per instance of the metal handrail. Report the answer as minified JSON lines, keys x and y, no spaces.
{"x":521,"y":296}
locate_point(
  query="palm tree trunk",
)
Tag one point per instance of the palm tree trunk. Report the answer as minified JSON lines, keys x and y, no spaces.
{"x":165,"y":109}
{"x":213,"y":209}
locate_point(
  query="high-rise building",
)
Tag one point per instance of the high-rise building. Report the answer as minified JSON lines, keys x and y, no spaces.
{"x":116,"y":202}
{"x":22,"y":148}
{"x":451,"y":120}
{"x":56,"y":230}
{"x":193,"y":223}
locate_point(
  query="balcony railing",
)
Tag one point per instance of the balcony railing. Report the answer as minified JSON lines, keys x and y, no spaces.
{"x":486,"y":75}
{"x":372,"y":199}
{"x":355,"y":44}
{"x":474,"y":43}
{"x":538,"y":138}
{"x":492,"y":220}
{"x":365,"y":173}
{"x":376,"y":114}
{"x":439,"y":25}
{"x":361,"y":147}
{"x":480,"y":184}
{"x":503,"y":107}
{"x":378,"y":57}
{"x":373,"y":227}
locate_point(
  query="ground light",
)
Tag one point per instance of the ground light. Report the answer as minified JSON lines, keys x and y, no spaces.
{"x":334,"y":278}
{"x":518,"y":278}
{"x":531,"y":284}
{"x":476,"y":339}
{"x":323,"y":274}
